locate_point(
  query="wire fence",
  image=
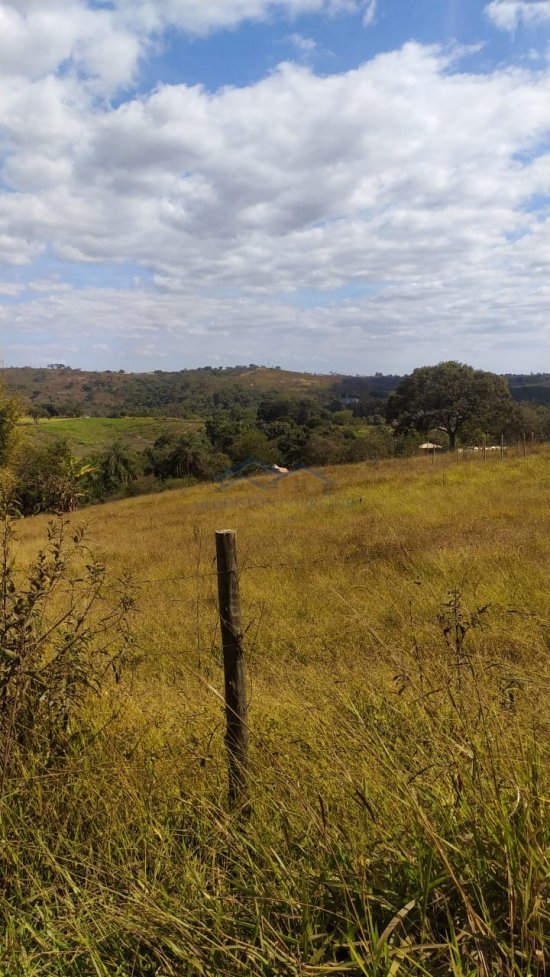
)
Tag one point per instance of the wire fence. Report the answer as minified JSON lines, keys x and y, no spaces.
{"x":247,"y":567}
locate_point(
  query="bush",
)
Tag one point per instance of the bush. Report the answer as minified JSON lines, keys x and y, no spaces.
{"x":49,"y":479}
{"x":62,"y":631}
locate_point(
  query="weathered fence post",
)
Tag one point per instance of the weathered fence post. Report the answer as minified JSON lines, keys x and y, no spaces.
{"x":484,"y":447}
{"x":236,"y":737}
{"x":502,"y":447}
{"x":524,"y":446}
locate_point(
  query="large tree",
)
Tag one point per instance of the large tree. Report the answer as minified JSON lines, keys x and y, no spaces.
{"x":448,"y":396}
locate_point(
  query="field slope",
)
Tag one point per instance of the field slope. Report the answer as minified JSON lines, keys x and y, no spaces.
{"x":85,"y":435}
{"x":397,"y":630}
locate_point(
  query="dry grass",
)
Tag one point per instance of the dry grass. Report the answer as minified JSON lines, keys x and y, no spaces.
{"x":397,"y":631}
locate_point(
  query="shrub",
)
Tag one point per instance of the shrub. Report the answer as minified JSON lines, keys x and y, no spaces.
{"x":62,"y":631}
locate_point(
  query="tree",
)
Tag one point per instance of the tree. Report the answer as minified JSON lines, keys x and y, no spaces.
{"x":254,"y":444}
{"x":187,"y":455}
{"x":448,"y":396}
{"x":117,"y":467}
{"x":10,"y":411}
{"x":225,"y":427}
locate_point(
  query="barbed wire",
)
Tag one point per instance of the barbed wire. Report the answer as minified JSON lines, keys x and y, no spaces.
{"x":246,"y":567}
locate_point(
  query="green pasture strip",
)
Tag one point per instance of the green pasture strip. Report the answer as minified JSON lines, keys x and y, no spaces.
{"x":89,"y":434}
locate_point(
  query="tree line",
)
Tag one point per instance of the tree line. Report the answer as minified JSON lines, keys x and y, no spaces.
{"x":447,"y":403}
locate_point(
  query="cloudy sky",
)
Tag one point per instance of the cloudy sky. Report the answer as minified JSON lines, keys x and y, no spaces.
{"x":348,"y":185}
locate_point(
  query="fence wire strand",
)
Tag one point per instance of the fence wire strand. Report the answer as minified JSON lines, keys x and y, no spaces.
{"x":245,"y":568}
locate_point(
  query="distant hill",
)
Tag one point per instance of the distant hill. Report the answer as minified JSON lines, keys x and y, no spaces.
{"x":66,"y":391}
{"x":61,"y":390}
{"x":533,"y":387}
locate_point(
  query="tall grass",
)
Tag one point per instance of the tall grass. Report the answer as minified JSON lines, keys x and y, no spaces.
{"x":397,"y":633}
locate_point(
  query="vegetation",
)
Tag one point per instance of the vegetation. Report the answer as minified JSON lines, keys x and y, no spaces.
{"x":62,"y":392}
{"x":447,"y":397}
{"x":54,"y":650}
{"x":106,"y":457}
{"x":85,"y":435}
{"x":66,"y":392}
{"x":63,"y":463}
{"x":396,"y":622}
{"x":10,"y":410}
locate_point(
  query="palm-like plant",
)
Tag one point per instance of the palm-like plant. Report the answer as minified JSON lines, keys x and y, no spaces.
{"x":117,"y":467}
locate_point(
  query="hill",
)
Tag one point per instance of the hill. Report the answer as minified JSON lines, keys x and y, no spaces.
{"x":187,"y":393}
{"x":533,"y":387}
{"x":396,"y":631}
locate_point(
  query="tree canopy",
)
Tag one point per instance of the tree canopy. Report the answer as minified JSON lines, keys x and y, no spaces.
{"x":448,"y":396}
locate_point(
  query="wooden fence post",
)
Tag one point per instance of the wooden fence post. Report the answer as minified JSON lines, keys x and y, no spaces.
{"x":236,"y":737}
{"x":502,"y":447}
{"x":524,"y":446}
{"x":484,"y":447}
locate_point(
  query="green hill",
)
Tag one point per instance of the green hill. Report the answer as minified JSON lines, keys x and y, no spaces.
{"x":64,"y":391}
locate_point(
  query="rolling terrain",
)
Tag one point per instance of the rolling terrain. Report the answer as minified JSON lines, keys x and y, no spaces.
{"x":196,"y":393}
{"x":163,"y":393}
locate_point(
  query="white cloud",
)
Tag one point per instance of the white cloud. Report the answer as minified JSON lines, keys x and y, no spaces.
{"x":37,"y":39}
{"x":49,"y":285}
{"x":11,"y":289}
{"x":396,"y":200}
{"x":305,"y":45}
{"x":200,"y":18}
{"x":369,"y":15}
{"x":105,"y":44}
{"x":508,"y":14}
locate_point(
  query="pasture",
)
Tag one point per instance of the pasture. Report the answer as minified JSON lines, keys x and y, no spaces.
{"x":91,"y":434}
{"x":397,"y":628}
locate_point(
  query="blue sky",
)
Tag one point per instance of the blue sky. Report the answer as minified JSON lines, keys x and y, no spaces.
{"x":243,"y":56}
{"x":344,"y":185}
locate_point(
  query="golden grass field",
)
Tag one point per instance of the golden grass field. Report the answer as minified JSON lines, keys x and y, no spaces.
{"x":397,"y":627}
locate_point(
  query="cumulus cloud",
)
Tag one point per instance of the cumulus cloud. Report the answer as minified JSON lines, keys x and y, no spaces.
{"x":349,"y":170}
{"x":508,"y":14}
{"x":37,"y":39}
{"x":104,"y":44}
{"x":401,"y":202}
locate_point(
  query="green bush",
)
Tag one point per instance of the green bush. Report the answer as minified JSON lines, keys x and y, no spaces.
{"x":62,"y":631}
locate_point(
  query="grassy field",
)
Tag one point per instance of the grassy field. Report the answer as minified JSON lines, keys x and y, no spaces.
{"x":397,"y":624}
{"x":91,"y":434}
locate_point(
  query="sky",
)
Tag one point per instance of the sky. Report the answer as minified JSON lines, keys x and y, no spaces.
{"x":323,"y":185}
